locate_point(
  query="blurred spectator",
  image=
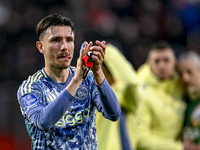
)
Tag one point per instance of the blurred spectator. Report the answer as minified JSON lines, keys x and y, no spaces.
{"x":189,"y":69}
{"x":160,"y":110}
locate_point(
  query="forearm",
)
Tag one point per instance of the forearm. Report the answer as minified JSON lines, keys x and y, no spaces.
{"x":45,"y":117}
{"x":73,"y":85}
{"x":49,"y":115}
{"x":99,"y":77}
{"x":109,"y":101}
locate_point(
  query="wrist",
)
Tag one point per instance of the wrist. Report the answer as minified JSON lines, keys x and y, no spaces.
{"x":99,"y":77}
{"x":77,"y":80}
{"x":73,"y":85}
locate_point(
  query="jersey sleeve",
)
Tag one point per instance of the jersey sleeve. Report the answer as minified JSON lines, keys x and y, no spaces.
{"x":107,"y":102}
{"x":42,"y":115}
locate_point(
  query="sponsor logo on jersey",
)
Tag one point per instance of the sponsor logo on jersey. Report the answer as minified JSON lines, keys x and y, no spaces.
{"x":73,"y":119}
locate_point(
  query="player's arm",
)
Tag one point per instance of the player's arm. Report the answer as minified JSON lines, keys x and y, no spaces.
{"x":111,"y":108}
{"x":41,"y":115}
{"x":77,"y":79}
{"x":110,"y":105}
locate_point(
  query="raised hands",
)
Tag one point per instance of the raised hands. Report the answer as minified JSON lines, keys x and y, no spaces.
{"x":80,"y":67}
{"x":98,"y":57}
{"x":98,"y":53}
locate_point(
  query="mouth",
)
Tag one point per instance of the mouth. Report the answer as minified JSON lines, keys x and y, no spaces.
{"x":66,"y":57}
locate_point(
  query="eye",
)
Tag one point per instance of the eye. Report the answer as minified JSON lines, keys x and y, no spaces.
{"x":166,"y":60}
{"x":69,"y":39}
{"x":156,"y":61}
{"x":189,"y":71}
{"x":56,"y":39}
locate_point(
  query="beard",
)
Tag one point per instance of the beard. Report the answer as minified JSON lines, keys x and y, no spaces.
{"x":193,"y":92}
{"x":60,"y":66}
{"x":57,"y":63}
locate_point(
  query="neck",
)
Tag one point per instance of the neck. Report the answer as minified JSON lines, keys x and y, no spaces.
{"x":59,"y":75}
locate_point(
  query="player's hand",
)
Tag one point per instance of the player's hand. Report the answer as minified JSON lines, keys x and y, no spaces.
{"x":79,"y":67}
{"x":98,"y":55}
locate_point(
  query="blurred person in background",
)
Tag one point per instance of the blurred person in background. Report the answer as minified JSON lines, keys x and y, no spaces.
{"x":120,"y":75}
{"x":58,"y":104}
{"x":160,"y":109}
{"x":188,"y":65}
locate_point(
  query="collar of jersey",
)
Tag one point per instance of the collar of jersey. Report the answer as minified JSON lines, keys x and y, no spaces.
{"x":58,"y":85}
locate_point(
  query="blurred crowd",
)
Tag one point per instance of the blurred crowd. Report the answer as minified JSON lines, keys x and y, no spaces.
{"x":130,"y":25}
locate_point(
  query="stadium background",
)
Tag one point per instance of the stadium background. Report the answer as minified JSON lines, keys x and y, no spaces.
{"x":131,"y":25}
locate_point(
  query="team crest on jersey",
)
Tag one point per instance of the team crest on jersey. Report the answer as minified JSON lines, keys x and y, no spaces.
{"x":30,"y":100}
{"x":81,"y":93}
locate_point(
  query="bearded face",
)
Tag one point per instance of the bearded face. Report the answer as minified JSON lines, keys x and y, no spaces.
{"x":190,"y":74}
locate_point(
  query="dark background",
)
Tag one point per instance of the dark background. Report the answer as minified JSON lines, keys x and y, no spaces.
{"x":131,"y":25}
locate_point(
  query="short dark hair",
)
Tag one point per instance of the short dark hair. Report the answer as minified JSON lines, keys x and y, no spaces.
{"x":160,"y":45}
{"x":52,"y":20}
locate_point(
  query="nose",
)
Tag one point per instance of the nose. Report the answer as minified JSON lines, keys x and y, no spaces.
{"x":162,"y":64}
{"x":64,"y":45}
{"x":185,"y":77}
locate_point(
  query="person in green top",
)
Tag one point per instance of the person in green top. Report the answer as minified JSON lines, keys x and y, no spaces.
{"x":188,"y":65}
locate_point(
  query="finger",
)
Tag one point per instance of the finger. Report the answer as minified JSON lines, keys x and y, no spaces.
{"x":84,"y":50}
{"x":104,"y":42}
{"x":97,"y":57}
{"x":88,"y":46}
{"x":98,"y":51}
{"x":101,"y":44}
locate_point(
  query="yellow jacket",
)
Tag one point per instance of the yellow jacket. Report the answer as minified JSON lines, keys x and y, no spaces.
{"x":124,"y":75}
{"x":160,"y":112}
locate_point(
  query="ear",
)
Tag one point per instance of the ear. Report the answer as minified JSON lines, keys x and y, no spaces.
{"x":39,"y":46}
{"x":148,"y":58}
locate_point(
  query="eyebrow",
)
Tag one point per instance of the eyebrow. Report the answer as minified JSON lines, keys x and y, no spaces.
{"x":56,"y":36}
